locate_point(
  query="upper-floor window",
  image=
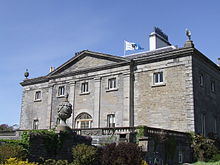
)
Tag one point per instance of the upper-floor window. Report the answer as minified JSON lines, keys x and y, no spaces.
{"x":35,"y":124}
{"x":61,"y":91}
{"x":111,"y":120}
{"x":85,"y":87}
{"x":37,"y":95}
{"x":212,"y":86}
{"x":158,"y":78}
{"x":201,"y":80}
{"x":112,"y":83}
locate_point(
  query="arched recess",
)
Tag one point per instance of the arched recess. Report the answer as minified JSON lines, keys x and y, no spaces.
{"x":84,"y":120}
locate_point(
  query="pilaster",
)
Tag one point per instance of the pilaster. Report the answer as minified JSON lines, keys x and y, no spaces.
{"x":97,"y":99}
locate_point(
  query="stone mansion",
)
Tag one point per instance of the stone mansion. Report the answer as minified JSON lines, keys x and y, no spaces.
{"x":166,"y":87}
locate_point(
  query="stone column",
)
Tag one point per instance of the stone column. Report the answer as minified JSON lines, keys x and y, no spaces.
{"x":70,"y":121}
{"x":126,"y":114}
{"x":97,"y":99}
{"x":49,"y":105}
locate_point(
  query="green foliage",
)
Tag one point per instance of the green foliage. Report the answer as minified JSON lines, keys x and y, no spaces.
{"x":15,"y":161}
{"x":123,"y":153}
{"x":207,"y":163}
{"x":25,"y":137}
{"x":5,"y":127}
{"x":84,"y":155}
{"x":50,"y":139}
{"x":140,"y":131}
{"x":11,"y":150}
{"x":15,"y":142}
{"x":55,"y":162}
{"x":215,"y":158}
{"x":203,"y":148}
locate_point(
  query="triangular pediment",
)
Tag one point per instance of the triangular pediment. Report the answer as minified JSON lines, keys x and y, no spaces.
{"x":87,"y":60}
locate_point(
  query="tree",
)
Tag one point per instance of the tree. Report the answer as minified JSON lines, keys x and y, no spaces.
{"x":5,"y":127}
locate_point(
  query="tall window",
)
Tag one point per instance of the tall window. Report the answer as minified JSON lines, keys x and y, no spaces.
{"x":215,"y":125}
{"x":203,"y":124}
{"x":37,"y":95}
{"x":61,"y":91}
{"x":180,"y":157}
{"x":158,"y":78}
{"x":201,"y":80}
{"x":35,"y":124}
{"x":84,"y":87}
{"x":83,"y":120}
{"x":212,"y":86}
{"x":111,"y":120}
{"x":112,"y":83}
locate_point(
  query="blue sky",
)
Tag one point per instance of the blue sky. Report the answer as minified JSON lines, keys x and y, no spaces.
{"x":37,"y":34}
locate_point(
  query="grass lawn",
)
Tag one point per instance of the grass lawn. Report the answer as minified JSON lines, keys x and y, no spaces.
{"x":207,"y":163}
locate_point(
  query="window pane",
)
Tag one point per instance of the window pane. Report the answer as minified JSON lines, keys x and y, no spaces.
{"x":213,"y":86}
{"x":158,"y":77}
{"x":84,"y":124}
{"x":111,"y":120}
{"x":84,"y":87}
{"x":61,"y":91}
{"x":161,"y":76}
{"x":35,"y":124}
{"x":201,"y":80}
{"x":38,"y":95}
{"x":111,"y":83}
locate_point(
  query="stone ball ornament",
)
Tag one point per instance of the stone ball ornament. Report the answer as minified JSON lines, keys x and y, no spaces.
{"x":26,"y":74}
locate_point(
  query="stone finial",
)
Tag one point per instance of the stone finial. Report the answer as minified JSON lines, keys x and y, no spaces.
{"x":188,"y":34}
{"x":189,"y":42}
{"x":26,"y":74}
{"x":64,"y":112}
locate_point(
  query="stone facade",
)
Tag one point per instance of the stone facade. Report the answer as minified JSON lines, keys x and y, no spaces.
{"x":125,"y":88}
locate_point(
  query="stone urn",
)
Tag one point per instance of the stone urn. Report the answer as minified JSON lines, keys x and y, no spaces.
{"x":64,"y":112}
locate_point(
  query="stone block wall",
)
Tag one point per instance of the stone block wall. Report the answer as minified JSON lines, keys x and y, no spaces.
{"x":168,"y":105}
{"x":207,"y":102}
{"x":35,"y":110}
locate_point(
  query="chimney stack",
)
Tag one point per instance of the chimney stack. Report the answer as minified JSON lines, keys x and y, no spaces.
{"x":158,"y":39}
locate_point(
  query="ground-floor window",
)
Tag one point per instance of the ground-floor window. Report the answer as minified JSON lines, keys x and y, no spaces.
{"x":111,"y":120}
{"x":35,"y":124}
{"x":84,"y":120}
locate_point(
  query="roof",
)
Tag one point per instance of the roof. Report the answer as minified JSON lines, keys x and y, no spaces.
{"x":142,"y":57}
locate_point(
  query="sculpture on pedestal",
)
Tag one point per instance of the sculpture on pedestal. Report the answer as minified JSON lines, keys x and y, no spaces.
{"x":64,"y":112}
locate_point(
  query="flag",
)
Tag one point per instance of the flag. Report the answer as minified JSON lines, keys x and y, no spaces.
{"x":132,"y":46}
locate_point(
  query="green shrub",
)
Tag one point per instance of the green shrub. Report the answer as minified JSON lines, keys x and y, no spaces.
{"x":215,"y":158}
{"x":203,"y":148}
{"x":55,"y":162}
{"x":123,"y":153}
{"x":14,"y":161}
{"x":11,"y":150}
{"x":84,"y":155}
{"x":15,"y":142}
